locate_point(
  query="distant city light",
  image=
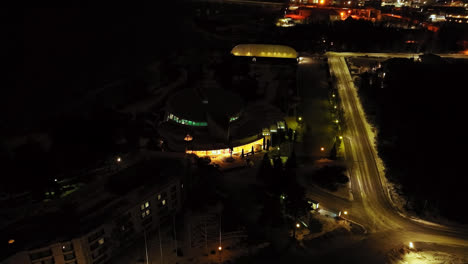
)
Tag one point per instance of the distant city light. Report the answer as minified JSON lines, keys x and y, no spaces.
{"x":11,"y":241}
{"x":220,"y":248}
{"x":119,"y":159}
{"x":298,"y":225}
{"x":322,"y":149}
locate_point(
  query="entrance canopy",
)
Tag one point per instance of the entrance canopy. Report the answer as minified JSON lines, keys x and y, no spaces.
{"x":264,"y":50}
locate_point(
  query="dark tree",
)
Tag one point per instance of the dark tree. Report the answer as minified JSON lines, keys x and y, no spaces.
{"x":333,"y":152}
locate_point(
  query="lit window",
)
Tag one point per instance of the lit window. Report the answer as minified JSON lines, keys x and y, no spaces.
{"x":145,"y":213}
{"x":163,"y":202}
{"x":159,"y":197}
{"x":144,"y":205}
{"x":101,"y":241}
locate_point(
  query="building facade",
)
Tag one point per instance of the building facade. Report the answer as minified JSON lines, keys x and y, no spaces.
{"x":139,"y":213}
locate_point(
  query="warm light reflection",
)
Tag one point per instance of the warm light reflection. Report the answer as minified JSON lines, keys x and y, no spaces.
{"x":213,"y":153}
{"x":264,"y":50}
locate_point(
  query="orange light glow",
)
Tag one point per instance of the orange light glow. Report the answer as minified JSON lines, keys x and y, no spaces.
{"x":465,"y":52}
{"x":342,"y":13}
{"x":295,"y":17}
{"x":213,"y":153}
{"x":11,"y":241}
{"x":322,"y":2}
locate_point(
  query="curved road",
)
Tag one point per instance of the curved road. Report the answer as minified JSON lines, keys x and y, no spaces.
{"x":372,"y":204}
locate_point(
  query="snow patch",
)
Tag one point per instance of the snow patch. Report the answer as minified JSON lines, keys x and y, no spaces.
{"x":406,"y":256}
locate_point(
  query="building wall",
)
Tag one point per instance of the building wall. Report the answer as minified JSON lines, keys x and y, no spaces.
{"x":257,"y":145}
{"x":99,"y":245}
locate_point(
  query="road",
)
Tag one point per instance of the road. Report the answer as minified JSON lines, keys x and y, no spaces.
{"x":394,"y":55}
{"x":372,"y":205}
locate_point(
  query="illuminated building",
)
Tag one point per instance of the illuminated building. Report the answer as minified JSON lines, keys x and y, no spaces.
{"x":217,"y":122}
{"x":264,"y":50}
{"x":94,"y":224}
{"x":308,"y":14}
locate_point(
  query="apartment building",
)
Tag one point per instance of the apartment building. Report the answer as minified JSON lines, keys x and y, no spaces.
{"x":109,"y":224}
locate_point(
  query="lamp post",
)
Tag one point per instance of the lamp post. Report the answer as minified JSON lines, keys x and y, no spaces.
{"x":146,"y":247}
{"x":188,"y":138}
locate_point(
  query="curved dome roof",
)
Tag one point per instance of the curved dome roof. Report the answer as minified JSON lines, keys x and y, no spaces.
{"x":194,"y":105}
{"x":264,"y":50}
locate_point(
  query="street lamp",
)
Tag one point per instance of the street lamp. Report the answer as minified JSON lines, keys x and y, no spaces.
{"x":188,"y":138}
{"x":118,"y":159}
{"x":411,"y":245}
{"x":322,"y":149}
{"x":345,"y":212}
{"x":220,"y":248}
{"x":298,"y":225}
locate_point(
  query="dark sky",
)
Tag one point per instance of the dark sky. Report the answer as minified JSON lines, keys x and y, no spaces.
{"x":53,"y":56}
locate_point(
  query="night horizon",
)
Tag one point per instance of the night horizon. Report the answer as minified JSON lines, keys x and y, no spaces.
{"x":231,"y":131}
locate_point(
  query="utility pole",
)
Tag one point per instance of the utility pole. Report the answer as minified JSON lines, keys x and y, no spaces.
{"x":175,"y":235}
{"x":206,"y":236}
{"x":160,"y":244}
{"x":146,"y":246}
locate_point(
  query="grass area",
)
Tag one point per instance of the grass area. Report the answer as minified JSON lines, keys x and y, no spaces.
{"x":315,"y":108}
